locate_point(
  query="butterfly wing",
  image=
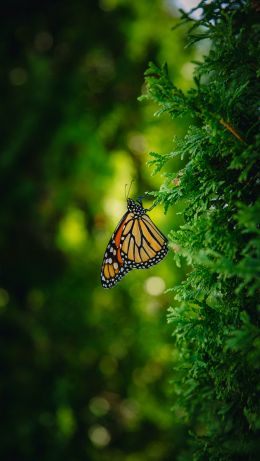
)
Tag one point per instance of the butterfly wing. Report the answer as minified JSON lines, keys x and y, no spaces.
{"x":113,"y":266}
{"x":142,"y":243}
{"x":135,"y":244}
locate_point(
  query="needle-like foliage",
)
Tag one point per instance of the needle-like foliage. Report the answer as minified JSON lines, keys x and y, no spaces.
{"x":215,"y":314}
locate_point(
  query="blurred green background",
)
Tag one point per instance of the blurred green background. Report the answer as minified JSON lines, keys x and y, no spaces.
{"x":85,"y":372}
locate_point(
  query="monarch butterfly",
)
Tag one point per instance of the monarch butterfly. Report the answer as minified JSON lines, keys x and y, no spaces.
{"x":135,"y":244}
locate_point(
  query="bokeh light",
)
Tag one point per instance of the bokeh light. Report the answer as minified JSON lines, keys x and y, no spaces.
{"x":86,"y":371}
{"x":155,"y":286}
{"x":99,"y":436}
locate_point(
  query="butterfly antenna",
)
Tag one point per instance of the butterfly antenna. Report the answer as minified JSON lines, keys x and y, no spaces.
{"x":128,"y":192}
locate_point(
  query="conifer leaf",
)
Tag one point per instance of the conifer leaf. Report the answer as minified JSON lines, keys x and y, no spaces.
{"x":215,"y":317}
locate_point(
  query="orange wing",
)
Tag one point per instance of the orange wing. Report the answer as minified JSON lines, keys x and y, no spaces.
{"x":143,"y":245}
{"x":136,"y":244}
{"x":113,"y":268}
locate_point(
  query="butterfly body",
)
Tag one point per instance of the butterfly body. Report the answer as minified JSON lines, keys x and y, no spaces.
{"x":135,"y":244}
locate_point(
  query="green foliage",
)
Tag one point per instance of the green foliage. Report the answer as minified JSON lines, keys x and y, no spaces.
{"x":215,"y":317}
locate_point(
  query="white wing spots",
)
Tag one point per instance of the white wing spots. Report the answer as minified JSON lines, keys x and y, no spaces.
{"x":120,"y":267}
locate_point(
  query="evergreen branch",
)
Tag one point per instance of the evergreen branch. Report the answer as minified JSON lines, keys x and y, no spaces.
{"x":215,"y":316}
{"x":231,"y":129}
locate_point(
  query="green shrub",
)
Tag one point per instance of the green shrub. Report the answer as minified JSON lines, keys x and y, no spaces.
{"x":215,"y":316}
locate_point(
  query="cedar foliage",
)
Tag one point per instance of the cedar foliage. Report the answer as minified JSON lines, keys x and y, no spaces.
{"x":215,"y":316}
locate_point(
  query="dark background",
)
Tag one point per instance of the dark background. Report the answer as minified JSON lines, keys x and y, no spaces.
{"x":85,"y":372}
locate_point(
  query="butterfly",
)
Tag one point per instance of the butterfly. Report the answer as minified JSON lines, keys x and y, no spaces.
{"x":135,"y":244}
